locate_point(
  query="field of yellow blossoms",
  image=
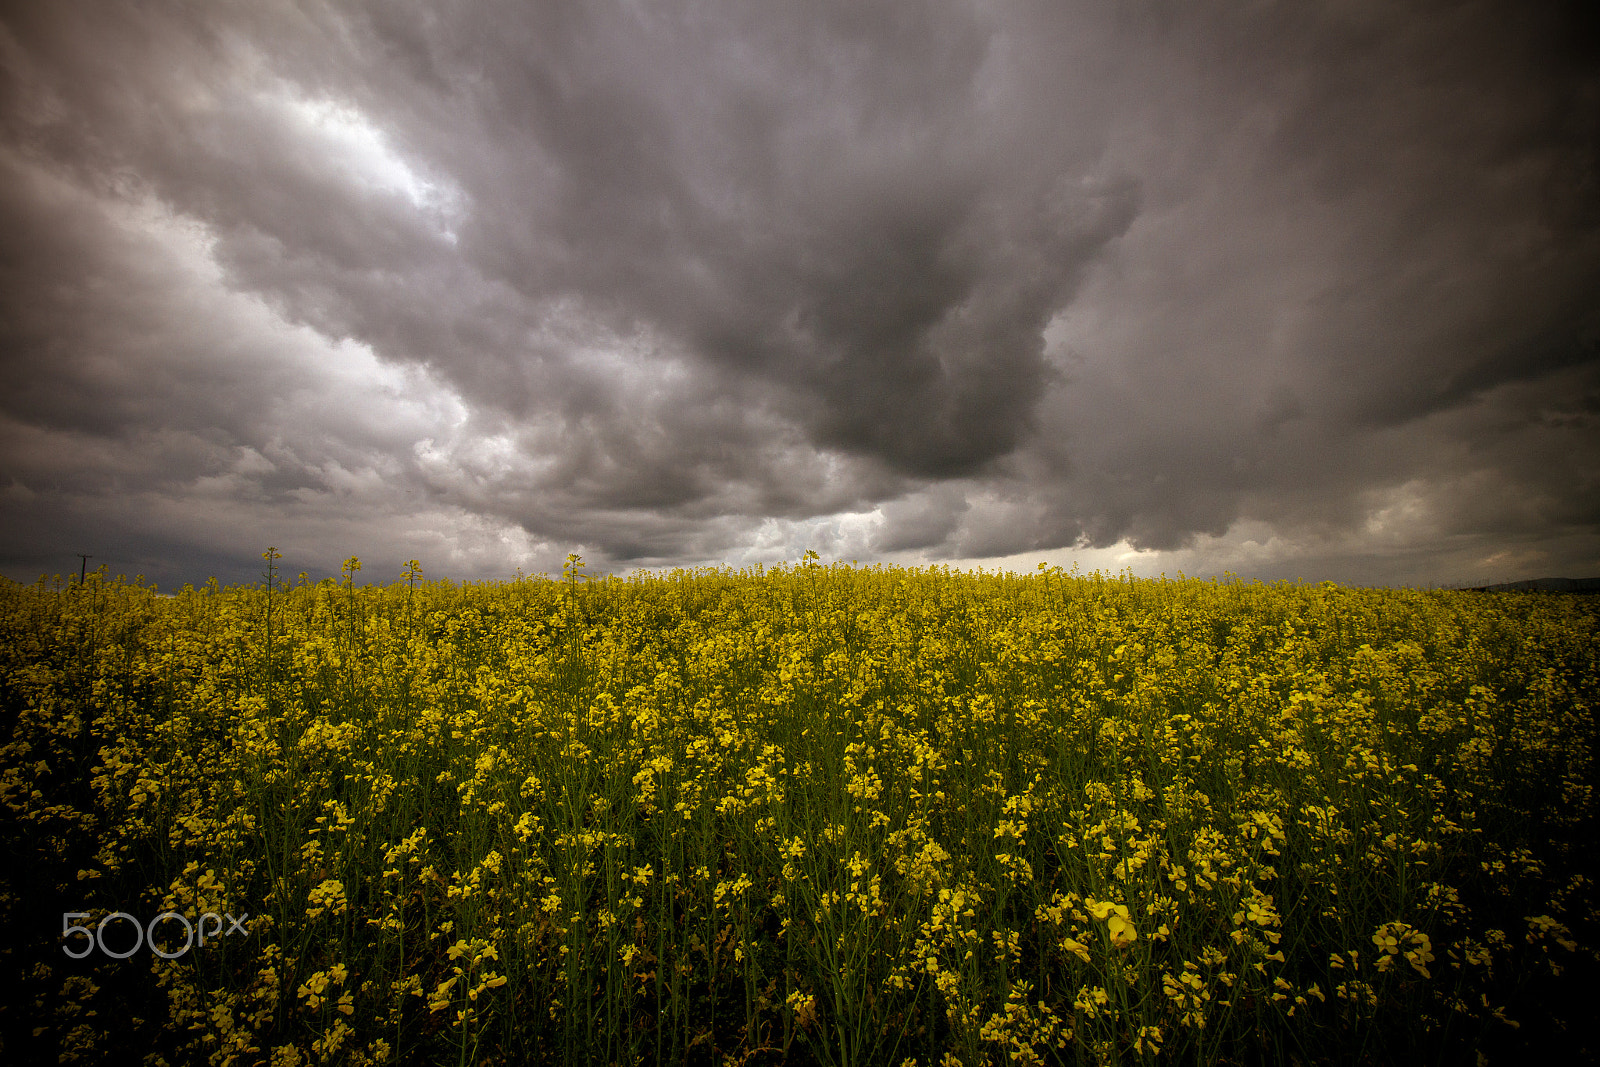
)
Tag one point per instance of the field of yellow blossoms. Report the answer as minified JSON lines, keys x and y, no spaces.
{"x":810,"y":814}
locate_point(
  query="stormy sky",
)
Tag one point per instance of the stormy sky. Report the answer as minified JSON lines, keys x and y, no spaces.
{"x":1297,"y":290}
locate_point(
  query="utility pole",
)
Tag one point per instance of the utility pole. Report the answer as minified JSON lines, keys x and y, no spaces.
{"x":83,"y":568}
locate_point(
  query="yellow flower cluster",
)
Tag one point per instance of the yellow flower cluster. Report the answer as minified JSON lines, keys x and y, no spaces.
{"x":847,"y":814}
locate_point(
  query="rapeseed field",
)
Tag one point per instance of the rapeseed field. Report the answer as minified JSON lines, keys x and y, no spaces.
{"x":809,"y":814}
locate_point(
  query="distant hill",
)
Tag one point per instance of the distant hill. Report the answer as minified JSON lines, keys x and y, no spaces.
{"x":1543,"y":585}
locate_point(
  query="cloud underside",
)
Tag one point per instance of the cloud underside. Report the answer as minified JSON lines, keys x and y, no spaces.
{"x":1211,"y":285}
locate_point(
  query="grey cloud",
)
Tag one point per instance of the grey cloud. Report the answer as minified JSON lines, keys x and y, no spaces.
{"x":878,"y":259}
{"x":685,"y":279}
{"x":923,"y":520}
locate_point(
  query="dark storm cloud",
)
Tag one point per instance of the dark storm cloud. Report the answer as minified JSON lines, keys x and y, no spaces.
{"x":695,"y":281}
{"x":1351,"y":282}
{"x":819,"y":202}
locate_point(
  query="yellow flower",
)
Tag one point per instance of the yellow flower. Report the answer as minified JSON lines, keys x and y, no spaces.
{"x":1077,"y":948}
{"x":1119,"y":924}
{"x":1121,"y":930}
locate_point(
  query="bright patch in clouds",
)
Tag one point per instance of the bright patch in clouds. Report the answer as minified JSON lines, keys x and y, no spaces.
{"x":359,"y":152}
